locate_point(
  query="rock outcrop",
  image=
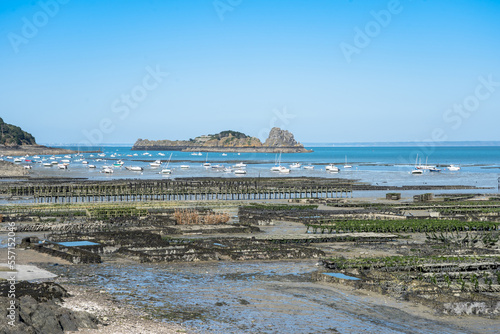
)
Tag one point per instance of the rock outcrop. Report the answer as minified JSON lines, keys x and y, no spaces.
{"x":281,"y":138}
{"x":36,"y":310}
{"x":9,"y":169}
{"x":228,"y":141}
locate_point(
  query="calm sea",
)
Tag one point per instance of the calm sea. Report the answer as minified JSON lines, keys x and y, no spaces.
{"x":480,"y":166}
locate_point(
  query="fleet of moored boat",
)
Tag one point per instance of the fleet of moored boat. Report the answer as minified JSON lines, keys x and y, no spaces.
{"x":240,"y":168}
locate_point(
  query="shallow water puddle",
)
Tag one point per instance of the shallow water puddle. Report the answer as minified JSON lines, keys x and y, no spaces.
{"x":342,"y":276}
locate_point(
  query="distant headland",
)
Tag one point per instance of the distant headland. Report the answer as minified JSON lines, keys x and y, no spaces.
{"x":17,"y":142}
{"x":227,"y":141}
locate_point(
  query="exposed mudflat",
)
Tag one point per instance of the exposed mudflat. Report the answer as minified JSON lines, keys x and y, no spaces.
{"x":258,"y":297}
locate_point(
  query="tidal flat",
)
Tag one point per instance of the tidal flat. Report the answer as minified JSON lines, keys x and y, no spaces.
{"x":263,"y":263}
{"x":258,"y":297}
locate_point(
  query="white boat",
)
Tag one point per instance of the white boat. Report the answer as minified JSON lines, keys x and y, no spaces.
{"x":240,"y":165}
{"x":107,"y":170}
{"x":36,"y":157}
{"x":228,"y":170}
{"x":62,"y":166}
{"x":284,"y":170}
{"x":54,"y":162}
{"x":18,"y":160}
{"x":240,"y":171}
{"x":167,"y":170}
{"x":161,"y":154}
{"x":453,"y":168}
{"x":65,"y":161}
{"x":27,"y":167}
{"x":417,"y":171}
{"x":296,"y":165}
{"x":67,"y":156}
{"x":91,"y":166}
{"x":346,"y":166}
{"x":332,"y":168}
{"x":426,"y":167}
{"x":309,"y":167}
{"x":185,"y":166}
{"x":207,"y":164}
{"x":194,"y":153}
{"x":134,"y":168}
{"x":84,"y":162}
{"x":155,"y":164}
{"x":218,"y":167}
{"x":119,"y":163}
{"x":102,"y":154}
{"x":47,"y":164}
{"x":277,"y":164}
{"x":224,"y":154}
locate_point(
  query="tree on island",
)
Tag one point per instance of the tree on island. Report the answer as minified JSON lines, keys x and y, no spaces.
{"x":11,"y":135}
{"x":227,"y":133}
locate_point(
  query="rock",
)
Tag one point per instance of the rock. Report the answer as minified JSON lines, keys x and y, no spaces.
{"x":85,"y":320}
{"x":9,"y":169}
{"x":281,"y":138}
{"x":227,"y":141}
{"x":36,"y":311}
{"x":40,"y":316}
{"x":67,"y":322}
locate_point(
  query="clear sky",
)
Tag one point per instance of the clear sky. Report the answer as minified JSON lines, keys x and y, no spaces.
{"x":112,"y":71}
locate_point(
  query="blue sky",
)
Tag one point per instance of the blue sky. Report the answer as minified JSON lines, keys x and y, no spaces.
{"x":112,"y":71}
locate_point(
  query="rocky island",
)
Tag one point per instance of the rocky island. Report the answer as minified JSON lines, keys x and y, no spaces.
{"x":227,"y":141}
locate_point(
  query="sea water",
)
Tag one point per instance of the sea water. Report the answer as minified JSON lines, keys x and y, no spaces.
{"x":383,"y":166}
